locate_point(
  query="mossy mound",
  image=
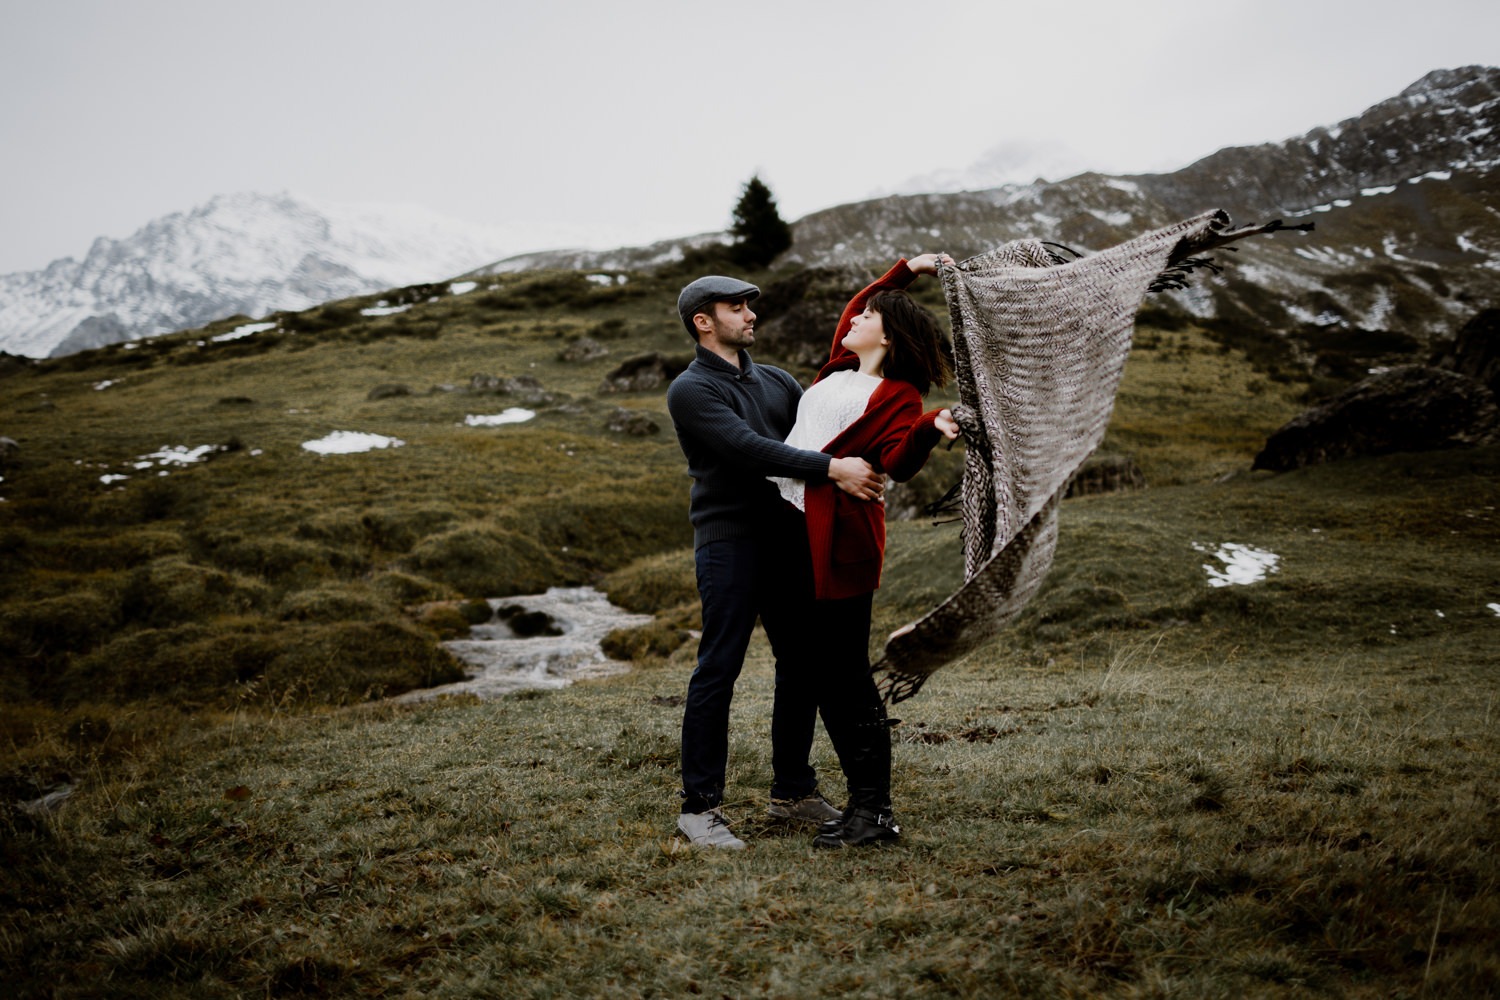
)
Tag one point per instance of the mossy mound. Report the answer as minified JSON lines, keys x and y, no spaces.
{"x":260,"y":662}
{"x":485,"y":562}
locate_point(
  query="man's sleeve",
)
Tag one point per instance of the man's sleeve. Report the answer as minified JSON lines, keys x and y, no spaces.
{"x":701,"y":413}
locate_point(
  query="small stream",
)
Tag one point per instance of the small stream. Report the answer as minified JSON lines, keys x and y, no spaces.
{"x":542,"y":641}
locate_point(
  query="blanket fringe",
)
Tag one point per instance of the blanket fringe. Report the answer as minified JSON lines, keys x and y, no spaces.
{"x":1182,"y":261}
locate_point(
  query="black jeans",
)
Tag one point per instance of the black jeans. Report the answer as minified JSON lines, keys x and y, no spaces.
{"x":739,"y":580}
{"x":822,"y":666}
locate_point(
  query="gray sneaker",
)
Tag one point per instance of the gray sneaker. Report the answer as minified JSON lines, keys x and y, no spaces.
{"x":709,"y":829}
{"x":813,"y":809}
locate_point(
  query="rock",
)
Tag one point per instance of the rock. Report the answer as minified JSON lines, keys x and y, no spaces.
{"x":9,"y":448}
{"x":643,"y":373}
{"x":1106,"y":474}
{"x":632,"y":422}
{"x":528,"y":624}
{"x":1476,"y":350}
{"x":525,"y":388}
{"x":388,"y":390}
{"x":583,"y":349}
{"x":1410,"y":408}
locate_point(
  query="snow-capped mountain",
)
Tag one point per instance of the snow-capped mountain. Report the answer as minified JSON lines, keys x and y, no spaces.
{"x":1405,"y":198}
{"x":239,"y":253}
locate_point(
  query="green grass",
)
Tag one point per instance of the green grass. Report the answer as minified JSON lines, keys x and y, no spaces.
{"x":1146,"y":787}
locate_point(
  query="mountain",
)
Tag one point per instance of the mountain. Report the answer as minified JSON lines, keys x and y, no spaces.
{"x":239,"y":253}
{"x":1405,"y":198}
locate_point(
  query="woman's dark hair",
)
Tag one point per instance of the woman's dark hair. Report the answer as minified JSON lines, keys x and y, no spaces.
{"x":917,"y":353}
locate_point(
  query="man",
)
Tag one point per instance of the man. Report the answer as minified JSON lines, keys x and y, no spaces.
{"x":731,"y":416}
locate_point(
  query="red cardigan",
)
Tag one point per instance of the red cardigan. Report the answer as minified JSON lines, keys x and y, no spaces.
{"x":847,"y":535}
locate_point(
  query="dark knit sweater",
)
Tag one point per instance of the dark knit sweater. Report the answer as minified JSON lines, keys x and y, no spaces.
{"x":731,"y":422}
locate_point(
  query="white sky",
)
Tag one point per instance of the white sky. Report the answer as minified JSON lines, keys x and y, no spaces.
{"x":641,"y":120}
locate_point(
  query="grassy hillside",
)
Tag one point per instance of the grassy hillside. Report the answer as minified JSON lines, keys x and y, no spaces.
{"x":1147,"y":787}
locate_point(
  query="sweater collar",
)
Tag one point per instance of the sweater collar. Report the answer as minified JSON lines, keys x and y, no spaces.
{"x":744,"y":373}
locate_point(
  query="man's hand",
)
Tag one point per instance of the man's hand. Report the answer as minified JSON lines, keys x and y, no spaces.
{"x":856,"y":477}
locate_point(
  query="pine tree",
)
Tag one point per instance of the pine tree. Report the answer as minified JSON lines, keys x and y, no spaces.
{"x":759,"y":231}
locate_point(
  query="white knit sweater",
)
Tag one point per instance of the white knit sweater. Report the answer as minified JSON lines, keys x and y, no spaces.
{"x":822,"y":414}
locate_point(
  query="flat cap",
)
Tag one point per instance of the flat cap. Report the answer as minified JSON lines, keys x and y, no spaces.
{"x":711,"y":288}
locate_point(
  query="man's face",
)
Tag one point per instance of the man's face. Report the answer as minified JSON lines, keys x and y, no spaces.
{"x":733,"y":324}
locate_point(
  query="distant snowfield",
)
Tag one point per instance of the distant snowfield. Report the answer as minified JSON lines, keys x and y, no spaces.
{"x":350,"y":443}
{"x":1239,"y":564}
{"x":244,"y":253}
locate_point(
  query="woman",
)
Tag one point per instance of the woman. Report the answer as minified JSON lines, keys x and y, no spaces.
{"x":866,"y":402}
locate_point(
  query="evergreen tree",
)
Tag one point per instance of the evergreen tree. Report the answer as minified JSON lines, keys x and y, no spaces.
{"x":759,"y":231}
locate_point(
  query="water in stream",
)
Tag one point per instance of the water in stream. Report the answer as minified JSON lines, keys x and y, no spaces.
{"x":537,"y":641}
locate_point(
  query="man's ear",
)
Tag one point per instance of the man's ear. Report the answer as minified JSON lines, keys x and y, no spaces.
{"x":702,"y":323}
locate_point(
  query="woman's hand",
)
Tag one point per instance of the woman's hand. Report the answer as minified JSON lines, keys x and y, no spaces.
{"x":945,"y":423}
{"x":927,"y":263}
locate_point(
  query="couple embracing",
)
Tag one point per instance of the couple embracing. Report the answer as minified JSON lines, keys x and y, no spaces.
{"x":789,"y":526}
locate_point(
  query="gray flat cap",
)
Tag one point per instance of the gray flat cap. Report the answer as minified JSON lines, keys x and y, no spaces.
{"x":711,"y":288}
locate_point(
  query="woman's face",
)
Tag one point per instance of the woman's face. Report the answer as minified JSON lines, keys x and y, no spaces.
{"x":866,"y":333}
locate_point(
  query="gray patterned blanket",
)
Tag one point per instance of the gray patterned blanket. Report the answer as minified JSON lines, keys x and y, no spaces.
{"x":1039,"y":343}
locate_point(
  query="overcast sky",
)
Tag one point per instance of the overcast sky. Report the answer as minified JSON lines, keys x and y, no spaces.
{"x":597,"y":122}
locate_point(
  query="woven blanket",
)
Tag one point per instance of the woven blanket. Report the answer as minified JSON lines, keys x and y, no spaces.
{"x":1039,"y":346}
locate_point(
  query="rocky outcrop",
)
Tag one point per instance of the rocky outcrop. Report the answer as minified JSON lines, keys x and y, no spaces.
{"x":630,"y":422}
{"x":1411,"y":408}
{"x":524,"y":388}
{"x":643,"y":373}
{"x":582,"y":349}
{"x":1475,"y":352}
{"x":1105,"y":474}
{"x":388,"y":390}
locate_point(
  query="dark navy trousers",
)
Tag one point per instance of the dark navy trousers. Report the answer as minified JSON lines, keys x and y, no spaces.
{"x":821,"y":654}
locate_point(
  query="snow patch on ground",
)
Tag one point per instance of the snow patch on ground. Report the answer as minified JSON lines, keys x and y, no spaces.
{"x":176,"y":455}
{"x":513,"y":415}
{"x":247,"y":330}
{"x":1239,"y":564}
{"x":350,"y":443}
